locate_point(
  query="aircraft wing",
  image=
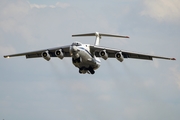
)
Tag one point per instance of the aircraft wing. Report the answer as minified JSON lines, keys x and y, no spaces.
{"x":112,"y":52}
{"x":36,"y":54}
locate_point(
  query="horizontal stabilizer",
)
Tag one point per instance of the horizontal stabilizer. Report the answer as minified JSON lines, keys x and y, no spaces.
{"x":87,"y":34}
{"x":99,"y":34}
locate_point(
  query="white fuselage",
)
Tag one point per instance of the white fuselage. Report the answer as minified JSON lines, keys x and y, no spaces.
{"x":83,"y":58}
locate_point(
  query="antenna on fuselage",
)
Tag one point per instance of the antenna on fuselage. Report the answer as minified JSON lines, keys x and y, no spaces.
{"x":98,"y":36}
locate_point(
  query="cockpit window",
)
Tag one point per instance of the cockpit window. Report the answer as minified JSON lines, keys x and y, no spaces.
{"x":76,"y":44}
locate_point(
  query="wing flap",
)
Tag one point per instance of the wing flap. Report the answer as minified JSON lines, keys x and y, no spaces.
{"x":33,"y":55}
{"x":136,"y":56}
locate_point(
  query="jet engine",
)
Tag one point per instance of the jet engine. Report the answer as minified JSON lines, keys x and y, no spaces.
{"x":103,"y":54}
{"x":119,"y":56}
{"x":59,"y":53}
{"x":46,"y":55}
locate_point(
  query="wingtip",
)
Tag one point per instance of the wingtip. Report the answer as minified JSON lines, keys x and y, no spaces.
{"x":6,"y":56}
{"x":173,"y":58}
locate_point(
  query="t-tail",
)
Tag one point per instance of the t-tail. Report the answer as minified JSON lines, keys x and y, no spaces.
{"x":98,"y":36}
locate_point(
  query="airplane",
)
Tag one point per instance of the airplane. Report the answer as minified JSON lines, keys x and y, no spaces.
{"x":86,"y":56}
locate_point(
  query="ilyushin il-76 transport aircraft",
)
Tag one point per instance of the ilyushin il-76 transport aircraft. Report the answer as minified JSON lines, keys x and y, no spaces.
{"x":86,"y":56}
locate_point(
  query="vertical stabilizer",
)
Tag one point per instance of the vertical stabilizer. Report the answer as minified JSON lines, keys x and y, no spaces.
{"x":97,"y":40}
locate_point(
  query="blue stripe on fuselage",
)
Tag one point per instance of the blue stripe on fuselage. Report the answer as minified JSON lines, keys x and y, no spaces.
{"x":89,"y":53}
{"x":86,"y":51}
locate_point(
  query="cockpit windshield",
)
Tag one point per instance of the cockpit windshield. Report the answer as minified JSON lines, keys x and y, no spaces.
{"x":76,"y":44}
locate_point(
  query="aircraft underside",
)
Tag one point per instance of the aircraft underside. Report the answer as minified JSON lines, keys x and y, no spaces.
{"x":84,"y":67}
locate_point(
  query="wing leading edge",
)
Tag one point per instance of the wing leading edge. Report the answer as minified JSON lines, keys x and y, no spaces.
{"x":94,"y":49}
{"x":112,"y":52}
{"x":36,"y":54}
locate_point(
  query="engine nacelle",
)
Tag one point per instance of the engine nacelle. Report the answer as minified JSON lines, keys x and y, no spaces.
{"x":103,"y":54}
{"x":46,"y":55}
{"x":59,"y":53}
{"x":119,"y":56}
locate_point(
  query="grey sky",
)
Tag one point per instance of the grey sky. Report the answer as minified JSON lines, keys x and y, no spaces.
{"x":132,"y":90}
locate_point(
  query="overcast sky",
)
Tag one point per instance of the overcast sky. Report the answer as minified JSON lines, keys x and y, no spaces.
{"x":131,"y":90}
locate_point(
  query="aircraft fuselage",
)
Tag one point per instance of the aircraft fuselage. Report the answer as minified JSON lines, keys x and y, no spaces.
{"x":82,"y":58}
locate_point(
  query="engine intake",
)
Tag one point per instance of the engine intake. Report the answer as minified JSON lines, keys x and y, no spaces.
{"x":46,"y":55}
{"x":59,"y":53}
{"x":119,"y":56}
{"x":103,"y":54}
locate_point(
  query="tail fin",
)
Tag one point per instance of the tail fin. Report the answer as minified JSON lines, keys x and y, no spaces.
{"x":98,"y":36}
